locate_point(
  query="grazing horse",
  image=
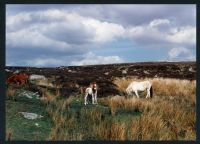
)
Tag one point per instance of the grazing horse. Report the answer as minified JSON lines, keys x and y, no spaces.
{"x":140,"y":86}
{"x":91,"y":90}
{"x":19,"y":79}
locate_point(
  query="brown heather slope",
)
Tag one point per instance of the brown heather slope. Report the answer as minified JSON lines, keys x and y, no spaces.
{"x":68,"y":77}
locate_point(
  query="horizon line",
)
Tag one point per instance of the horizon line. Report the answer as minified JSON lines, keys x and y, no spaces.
{"x":103,"y":64}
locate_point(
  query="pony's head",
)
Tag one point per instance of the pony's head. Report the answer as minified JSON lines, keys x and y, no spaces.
{"x":94,"y":84}
{"x":10,"y":79}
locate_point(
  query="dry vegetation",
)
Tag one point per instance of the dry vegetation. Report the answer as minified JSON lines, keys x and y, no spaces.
{"x":165,"y":87}
{"x":10,"y":93}
{"x":169,"y":115}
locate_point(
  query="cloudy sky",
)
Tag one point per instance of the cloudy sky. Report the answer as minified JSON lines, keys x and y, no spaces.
{"x":62,"y":35}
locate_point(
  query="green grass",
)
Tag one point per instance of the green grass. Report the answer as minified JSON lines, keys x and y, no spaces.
{"x":25,"y":129}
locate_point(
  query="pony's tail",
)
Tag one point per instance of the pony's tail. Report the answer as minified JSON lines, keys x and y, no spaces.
{"x":151,"y":92}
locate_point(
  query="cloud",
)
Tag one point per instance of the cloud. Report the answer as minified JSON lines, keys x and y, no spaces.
{"x":86,"y":59}
{"x":180,"y":52}
{"x":39,"y":62}
{"x":92,"y":59}
{"x":64,"y":26}
{"x":158,"y":22}
{"x":28,"y":38}
{"x":49,"y":34}
{"x":152,"y":33}
{"x":182,"y":35}
{"x":182,"y":14}
{"x":105,"y":31}
{"x":68,"y":31}
{"x":125,"y":14}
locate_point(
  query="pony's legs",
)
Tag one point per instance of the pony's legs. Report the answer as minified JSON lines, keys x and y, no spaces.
{"x":95,"y":98}
{"x":92,"y":98}
{"x":22,"y":82}
{"x":148,"y":93}
{"x":86,"y":98}
{"x":18,"y":83}
{"x":136,"y":93}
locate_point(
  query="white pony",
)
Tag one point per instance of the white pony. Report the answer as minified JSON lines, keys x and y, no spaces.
{"x":92,"y":90}
{"x":140,"y":86}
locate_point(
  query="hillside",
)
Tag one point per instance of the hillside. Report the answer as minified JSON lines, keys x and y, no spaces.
{"x":169,"y":115}
{"x":69,"y":77}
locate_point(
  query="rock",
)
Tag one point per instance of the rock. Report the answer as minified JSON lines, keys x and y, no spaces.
{"x":106,"y":73}
{"x":16,"y":72}
{"x":37,"y":77}
{"x":124,"y":71}
{"x":30,"y":94}
{"x":146,"y":72}
{"x":72,"y":71}
{"x":36,"y":124}
{"x":32,"y":116}
{"x":191,"y":69}
{"x":7,"y":70}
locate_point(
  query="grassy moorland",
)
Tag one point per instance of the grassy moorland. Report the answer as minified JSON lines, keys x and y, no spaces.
{"x":20,"y":128}
{"x":169,"y":115}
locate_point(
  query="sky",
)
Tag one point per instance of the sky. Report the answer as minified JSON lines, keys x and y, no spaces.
{"x":71,"y":34}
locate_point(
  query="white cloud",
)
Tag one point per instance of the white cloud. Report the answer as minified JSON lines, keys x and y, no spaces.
{"x":53,"y":23}
{"x":158,"y":22}
{"x":176,"y":53}
{"x":45,"y":62}
{"x":104,"y":31}
{"x":170,"y":34}
{"x":60,"y":31}
{"x":88,"y":59}
{"x":182,"y":35}
{"x":92,"y":59}
{"x":28,"y":38}
{"x":63,"y":29}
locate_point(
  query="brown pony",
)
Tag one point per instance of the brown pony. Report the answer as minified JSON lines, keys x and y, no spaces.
{"x":19,"y":79}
